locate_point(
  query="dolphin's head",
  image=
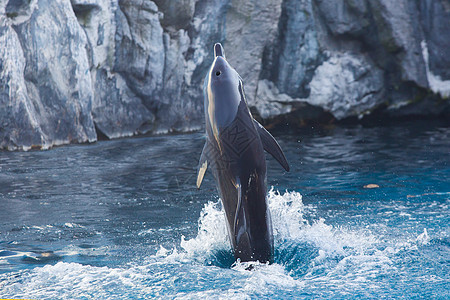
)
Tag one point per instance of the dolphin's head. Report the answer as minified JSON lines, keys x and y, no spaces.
{"x":222,"y":77}
{"x":222,"y":91}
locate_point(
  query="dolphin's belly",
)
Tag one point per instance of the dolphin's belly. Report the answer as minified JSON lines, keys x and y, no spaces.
{"x":245,"y":171}
{"x":231,"y":170}
{"x":239,"y":154}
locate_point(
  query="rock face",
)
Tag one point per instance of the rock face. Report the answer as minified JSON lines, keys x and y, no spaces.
{"x":79,"y":70}
{"x":45,"y":82}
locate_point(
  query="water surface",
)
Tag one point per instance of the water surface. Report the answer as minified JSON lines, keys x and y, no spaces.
{"x":123,"y":219}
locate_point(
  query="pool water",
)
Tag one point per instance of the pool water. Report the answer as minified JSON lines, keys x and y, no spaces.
{"x":364,"y":213}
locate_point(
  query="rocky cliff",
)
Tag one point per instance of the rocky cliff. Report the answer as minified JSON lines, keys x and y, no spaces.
{"x":78,"y":70}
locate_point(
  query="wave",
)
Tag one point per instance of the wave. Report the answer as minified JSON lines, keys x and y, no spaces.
{"x":311,"y":258}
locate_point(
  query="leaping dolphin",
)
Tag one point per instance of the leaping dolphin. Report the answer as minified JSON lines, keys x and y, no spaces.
{"x":234,"y":151}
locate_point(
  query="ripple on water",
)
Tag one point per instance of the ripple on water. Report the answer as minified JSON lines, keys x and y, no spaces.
{"x":306,"y":255}
{"x":344,"y":241}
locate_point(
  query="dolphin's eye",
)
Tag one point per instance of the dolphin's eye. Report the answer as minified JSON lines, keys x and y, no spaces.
{"x":218,"y":73}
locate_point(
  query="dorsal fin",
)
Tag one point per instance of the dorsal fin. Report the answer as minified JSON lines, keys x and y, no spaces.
{"x":270,"y":145}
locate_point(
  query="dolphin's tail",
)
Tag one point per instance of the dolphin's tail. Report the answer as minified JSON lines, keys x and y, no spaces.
{"x":253,"y":238}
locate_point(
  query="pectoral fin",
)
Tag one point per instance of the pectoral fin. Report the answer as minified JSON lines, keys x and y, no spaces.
{"x":202,"y":164}
{"x":271,"y":146}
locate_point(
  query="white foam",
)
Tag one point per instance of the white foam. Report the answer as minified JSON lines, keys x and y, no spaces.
{"x":289,"y":224}
{"x":423,"y":238}
{"x":212,"y":232}
{"x":182,"y":273}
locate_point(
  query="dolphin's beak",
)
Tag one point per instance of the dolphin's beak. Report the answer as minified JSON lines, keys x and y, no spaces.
{"x":218,"y":50}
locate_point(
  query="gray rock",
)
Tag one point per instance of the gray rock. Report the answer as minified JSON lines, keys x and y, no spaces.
{"x":400,"y":35}
{"x":250,"y":29}
{"x":344,"y":17}
{"x":177,"y":13}
{"x":437,"y":85}
{"x":19,"y":128}
{"x":117,"y":111}
{"x":435,"y":21}
{"x":139,"y":55}
{"x":179,"y":112}
{"x":274,"y":108}
{"x":69,"y":68}
{"x":270,"y":103}
{"x":53,"y":81}
{"x":346,"y":85}
{"x":294,"y":56}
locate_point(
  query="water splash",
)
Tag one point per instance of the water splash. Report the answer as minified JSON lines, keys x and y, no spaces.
{"x":311,"y":256}
{"x":423,"y":238}
{"x":212,"y":241}
{"x":302,"y":247}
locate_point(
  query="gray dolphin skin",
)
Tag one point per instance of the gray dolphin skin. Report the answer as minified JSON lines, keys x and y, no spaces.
{"x":234,"y":152}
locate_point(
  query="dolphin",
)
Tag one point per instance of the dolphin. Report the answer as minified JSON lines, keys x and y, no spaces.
{"x":234,"y":152}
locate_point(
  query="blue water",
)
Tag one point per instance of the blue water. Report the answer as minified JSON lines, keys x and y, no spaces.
{"x":122,"y":219}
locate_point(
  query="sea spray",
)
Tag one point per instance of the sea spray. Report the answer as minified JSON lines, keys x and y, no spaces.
{"x":212,"y":232}
{"x":310,"y":255}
